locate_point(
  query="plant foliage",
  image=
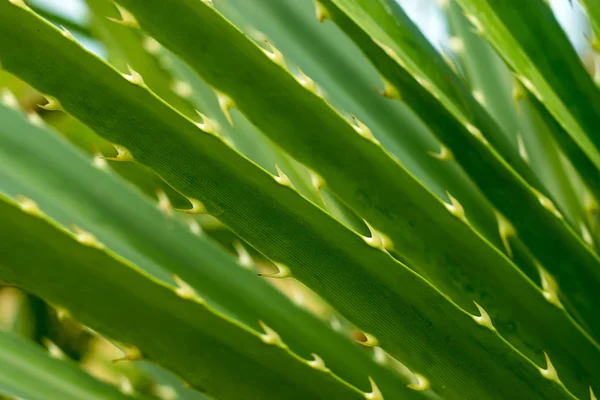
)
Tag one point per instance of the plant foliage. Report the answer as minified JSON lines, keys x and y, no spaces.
{"x":239,"y":200}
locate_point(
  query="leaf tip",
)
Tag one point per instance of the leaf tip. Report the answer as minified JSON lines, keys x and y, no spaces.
{"x":86,"y":238}
{"x":548,"y":204}
{"x":282,"y":178}
{"x":550,"y":288}
{"x":366,"y":339}
{"x":122,"y":154}
{"x":375,"y":393}
{"x":196,"y":207}
{"x":484,"y":318}
{"x":321,"y":12}
{"x":226,"y":103}
{"x":28,"y":205}
{"x":529,"y":86}
{"x":274,"y":54}
{"x":477,"y":26}
{"x":318,"y":363}
{"x":363,"y":130}
{"x":306,"y":81}
{"x":506,"y":230}
{"x":134,"y":77}
{"x":377,"y":239}
{"x":207,"y":125}
{"x":455,"y":208}
{"x":549,"y":372}
{"x":420,"y":383}
{"x":390,"y":91}
{"x":270,"y":336}
{"x":131,"y":353}
{"x":316,"y":180}
{"x":20,"y":4}
{"x":445,"y":154}
{"x":186,"y":291}
{"x":473,"y":130}
{"x":127,"y":18}
{"x":66,"y":33}
{"x":282,"y":272}
{"x":52,"y":104}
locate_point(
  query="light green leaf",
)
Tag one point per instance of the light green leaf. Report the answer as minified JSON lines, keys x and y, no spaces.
{"x":391,"y":29}
{"x":120,"y":300}
{"x":126,"y":48}
{"x":491,"y":81}
{"x":29,"y":372}
{"x":536,"y":132}
{"x":35,"y":163}
{"x":593,"y":10}
{"x":553,"y":73}
{"x":532,"y":215}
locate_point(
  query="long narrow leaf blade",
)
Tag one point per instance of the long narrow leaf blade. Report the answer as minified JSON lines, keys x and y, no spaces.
{"x":35,"y":163}
{"x":593,"y":10}
{"x":492,"y":81}
{"x":555,"y":74}
{"x":29,"y":372}
{"x":534,"y":216}
{"x":119,"y":300}
{"x":380,"y":295}
{"x":360,"y":175}
{"x":336,"y":65}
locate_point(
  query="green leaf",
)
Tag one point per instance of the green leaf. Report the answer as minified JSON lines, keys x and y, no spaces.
{"x":66,"y":185}
{"x":120,"y":300}
{"x":172,"y":82}
{"x":19,"y":317}
{"x":29,"y":372}
{"x":553,"y":73}
{"x":125,"y":48}
{"x":411,"y":320}
{"x":593,"y":11}
{"x":544,"y":126}
{"x":350,"y":83}
{"x":169,"y":382}
{"x":534,"y":217}
{"x":242,"y":134}
{"x":493,"y":82}
{"x":389,"y":27}
{"x":89,"y":142}
{"x":81,"y":28}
